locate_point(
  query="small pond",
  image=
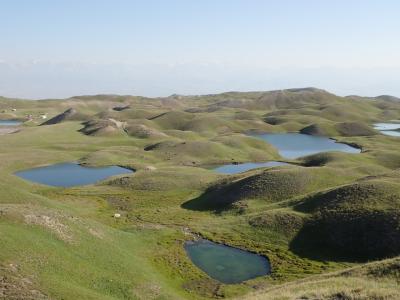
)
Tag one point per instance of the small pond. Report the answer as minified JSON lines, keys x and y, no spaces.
{"x":70,"y":174}
{"x":295,"y":145}
{"x":392,"y":129}
{"x":239,"y":168}
{"x":9,"y":123}
{"x":226,"y":264}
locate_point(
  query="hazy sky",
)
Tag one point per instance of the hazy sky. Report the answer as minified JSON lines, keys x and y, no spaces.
{"x":155,"y":48}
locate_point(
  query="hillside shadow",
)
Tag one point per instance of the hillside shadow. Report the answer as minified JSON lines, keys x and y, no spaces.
{"x":354,"y":240}
{"x":310,"y":243}
{"x":216,"y":198}
{"x":203,"y":203}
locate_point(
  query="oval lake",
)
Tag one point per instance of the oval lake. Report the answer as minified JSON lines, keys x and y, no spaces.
{"x":392,"y":129}
{"x":295,"y":145}
{"x":70,"y":174}
{"x":9,"y":123}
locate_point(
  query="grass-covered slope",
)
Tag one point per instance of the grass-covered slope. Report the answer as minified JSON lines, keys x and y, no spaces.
{"x":70,"y":114}
{"x":378,"y":280}
{"x":339,"y":129}
{"x":273,"y":185}
{"x":358,"y":221}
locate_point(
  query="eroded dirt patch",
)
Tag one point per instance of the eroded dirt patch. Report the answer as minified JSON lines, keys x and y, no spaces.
{"x":13,"y":285}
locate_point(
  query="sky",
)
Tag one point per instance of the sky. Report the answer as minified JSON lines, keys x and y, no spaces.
{"x":57,"y":49}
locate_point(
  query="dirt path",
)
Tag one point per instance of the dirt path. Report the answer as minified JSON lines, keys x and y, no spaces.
{"x":7,"y":130}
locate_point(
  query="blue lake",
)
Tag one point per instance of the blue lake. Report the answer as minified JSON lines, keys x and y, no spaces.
{"x":9,"y":122}
{"x":226,"y":264}
{"x":295,"y":145}
{"x":392,"y":129}
{"x":239,"y":168}
{"x":70,"y":174}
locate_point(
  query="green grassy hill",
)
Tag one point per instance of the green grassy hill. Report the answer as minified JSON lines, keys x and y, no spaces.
{"x":378,"y":280}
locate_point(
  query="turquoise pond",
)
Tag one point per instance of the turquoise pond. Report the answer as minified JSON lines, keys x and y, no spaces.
{"x":295,"y":145}
{"x":226,"y":264}
{"x":70,"y":174}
